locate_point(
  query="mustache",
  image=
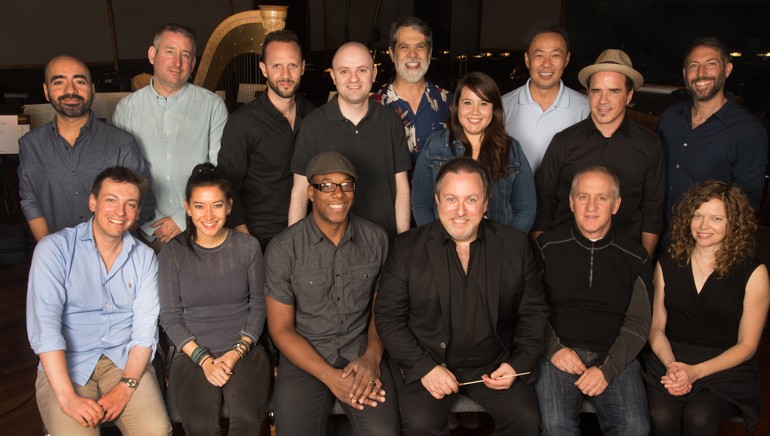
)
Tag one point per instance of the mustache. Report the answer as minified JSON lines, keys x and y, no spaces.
{"x":69,"y":96}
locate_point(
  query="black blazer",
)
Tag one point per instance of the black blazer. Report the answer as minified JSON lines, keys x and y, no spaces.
{"x":412,"y":307}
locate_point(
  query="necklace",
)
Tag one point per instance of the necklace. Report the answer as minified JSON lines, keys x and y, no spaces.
{"x":704,"y":275}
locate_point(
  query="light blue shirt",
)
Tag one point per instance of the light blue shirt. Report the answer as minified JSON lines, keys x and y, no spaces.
{"x":175,"y":133}
{"x":534,"y":127}
{"x":75,"y":305}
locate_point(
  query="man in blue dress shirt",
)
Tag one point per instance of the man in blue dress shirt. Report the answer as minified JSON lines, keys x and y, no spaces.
{"x":92,"y":309}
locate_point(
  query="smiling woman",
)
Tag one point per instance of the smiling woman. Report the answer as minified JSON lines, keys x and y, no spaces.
{"x":212,"y":308}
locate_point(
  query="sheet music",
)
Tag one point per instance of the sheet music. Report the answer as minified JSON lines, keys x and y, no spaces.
{"x":104,"y":104}
{"x":9,"y":134}
{"x":39,"y":114}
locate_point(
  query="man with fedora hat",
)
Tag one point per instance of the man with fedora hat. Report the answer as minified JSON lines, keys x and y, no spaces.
{"x":606,"y":138}
{"x":321,"y":275}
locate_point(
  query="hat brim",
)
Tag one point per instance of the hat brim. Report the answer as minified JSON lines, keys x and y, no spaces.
{"x":629,"y":72}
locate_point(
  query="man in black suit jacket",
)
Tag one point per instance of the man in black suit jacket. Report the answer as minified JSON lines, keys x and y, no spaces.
{"x":460,"y":300}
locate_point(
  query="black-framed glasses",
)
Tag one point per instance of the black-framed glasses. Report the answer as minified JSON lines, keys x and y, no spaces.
{"x":331,"y":187}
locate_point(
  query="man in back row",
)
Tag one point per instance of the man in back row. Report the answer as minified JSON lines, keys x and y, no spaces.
{"x":177,"y":125}
{"x":422,"y":106}
{"x":59,"y":161}
{"x":544,"y":106}
{"x":258,"y":141}
{"x":368,"y":134}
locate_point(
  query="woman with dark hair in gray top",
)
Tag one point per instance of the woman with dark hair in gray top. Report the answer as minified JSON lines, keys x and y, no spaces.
{"x":213,"y":310}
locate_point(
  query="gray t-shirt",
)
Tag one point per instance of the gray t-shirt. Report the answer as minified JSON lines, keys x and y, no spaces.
{"x":331,"y":287}
{"x":213,"y":295}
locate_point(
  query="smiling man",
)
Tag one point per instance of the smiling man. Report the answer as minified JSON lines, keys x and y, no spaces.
{"x":59,"y":161}
{"x":177,"y":124}
{"x":597,"y":286}
{"x":368,"y":134}
{"x":712,"y":136}
{"x":459,"y":301}
{"x":322,"y":274}
{"x":258,"y":141}
{"x":544,"y":106}
{"x":422,"y":106}
{"x":92,"y":318}
{"x":606,"y":138}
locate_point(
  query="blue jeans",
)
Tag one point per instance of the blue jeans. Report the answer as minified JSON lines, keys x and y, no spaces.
{"x":621,"y":408}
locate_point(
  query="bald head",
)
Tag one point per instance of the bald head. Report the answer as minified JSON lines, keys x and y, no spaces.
{"x":65,"y":61}
{"x":353,"y":73}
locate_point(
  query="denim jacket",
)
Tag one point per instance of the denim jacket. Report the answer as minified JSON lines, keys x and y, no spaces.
{"x":513,"y":201}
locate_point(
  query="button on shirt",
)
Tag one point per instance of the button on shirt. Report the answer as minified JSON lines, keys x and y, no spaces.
{"x":75,"y":305}
{"x":432,"y":113}
{"x":534,"y":127}
{"x":330,"y":287}
{"x":730,"y":146}
{"x":175,"y":133}
{"x":55,"y":178}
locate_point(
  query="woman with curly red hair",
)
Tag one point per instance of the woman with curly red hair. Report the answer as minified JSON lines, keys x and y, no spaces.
{"x":711,"y":300}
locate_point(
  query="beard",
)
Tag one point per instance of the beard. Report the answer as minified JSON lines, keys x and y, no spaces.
{"x":708,"y":93}
{"x":412,"y":76}
{"x":281,"y":93}
{"x":71,"y":110}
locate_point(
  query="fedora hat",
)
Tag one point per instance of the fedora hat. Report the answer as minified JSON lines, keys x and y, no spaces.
{"x":612,"y":60}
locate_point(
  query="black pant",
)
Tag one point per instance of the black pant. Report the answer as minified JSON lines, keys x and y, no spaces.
{"x":302,"y":404}
{"x":700,"y":415}
{"x":199,"y":402}
{"x":515,"y":410}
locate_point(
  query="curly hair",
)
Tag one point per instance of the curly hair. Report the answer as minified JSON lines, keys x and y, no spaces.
{"x":738,"y":244}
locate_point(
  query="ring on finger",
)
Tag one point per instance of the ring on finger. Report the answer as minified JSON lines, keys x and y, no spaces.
{"x":371,"y":382}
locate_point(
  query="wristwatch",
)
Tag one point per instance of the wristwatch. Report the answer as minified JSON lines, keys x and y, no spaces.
{"x":130,"y":382}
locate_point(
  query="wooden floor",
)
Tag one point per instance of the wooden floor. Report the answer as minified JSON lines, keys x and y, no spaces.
{"x":18,"y":410}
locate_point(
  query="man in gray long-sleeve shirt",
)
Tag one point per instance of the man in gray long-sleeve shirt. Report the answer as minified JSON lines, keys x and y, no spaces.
{"x":597,"y":283}
{"x":59,"y":161}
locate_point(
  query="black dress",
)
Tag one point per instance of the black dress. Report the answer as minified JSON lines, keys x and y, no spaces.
{"x":702,"y":326}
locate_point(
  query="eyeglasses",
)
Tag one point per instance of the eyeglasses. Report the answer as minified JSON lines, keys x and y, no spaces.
{"x":331,"y":187}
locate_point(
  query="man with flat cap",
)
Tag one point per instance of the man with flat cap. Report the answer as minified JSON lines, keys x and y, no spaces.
{"x":606,"y":138}
{"x":322,"y":274}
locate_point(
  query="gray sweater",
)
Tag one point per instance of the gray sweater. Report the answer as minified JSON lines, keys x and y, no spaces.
{"x":213,"y":297}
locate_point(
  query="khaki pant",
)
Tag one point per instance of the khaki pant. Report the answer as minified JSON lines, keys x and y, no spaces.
{"x":144,"y":415}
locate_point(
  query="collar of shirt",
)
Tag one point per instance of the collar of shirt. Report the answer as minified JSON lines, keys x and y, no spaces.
{"x":562,"y":98}
{"x":333,"y":111}
{"x":316,"y":235}
{"x":479,"y":233}
{"x":86,"y":130}
{"x":591,"y":129}
{"x":86,"y":235}
{"x":589,"y":244}
{"x":171,"y":98}
{"x":387,"y":95}
{"x":722,"y":115}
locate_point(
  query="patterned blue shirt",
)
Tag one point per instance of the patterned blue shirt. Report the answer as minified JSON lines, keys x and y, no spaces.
{"x":74,"y":304}
{"x":432,"y":113}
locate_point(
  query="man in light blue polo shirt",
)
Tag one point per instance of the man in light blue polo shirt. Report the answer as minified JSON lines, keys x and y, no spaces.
{"x":544,"y":106}
{"x":177,"y":125}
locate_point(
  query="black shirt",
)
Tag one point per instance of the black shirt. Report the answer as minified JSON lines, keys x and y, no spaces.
{"x":376,"y":146}
{"x":634,"y":153}
{"x":257,"y":145}
{"x":472,"y":342}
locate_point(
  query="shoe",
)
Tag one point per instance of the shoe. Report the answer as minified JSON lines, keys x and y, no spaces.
{"x":470,"y":420}
{"x":454,"y":421}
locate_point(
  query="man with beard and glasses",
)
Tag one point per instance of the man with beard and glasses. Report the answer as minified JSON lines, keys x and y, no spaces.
{"x":59,"y":161}
{"x":422,"y":106}
{"x":258,"y":141}
{"x":711,"y":136}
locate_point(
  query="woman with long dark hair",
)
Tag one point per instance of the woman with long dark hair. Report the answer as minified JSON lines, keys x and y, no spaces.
{"x":711,"y":300}
{"x":476,"y":128}
{"x":212,"y":307}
